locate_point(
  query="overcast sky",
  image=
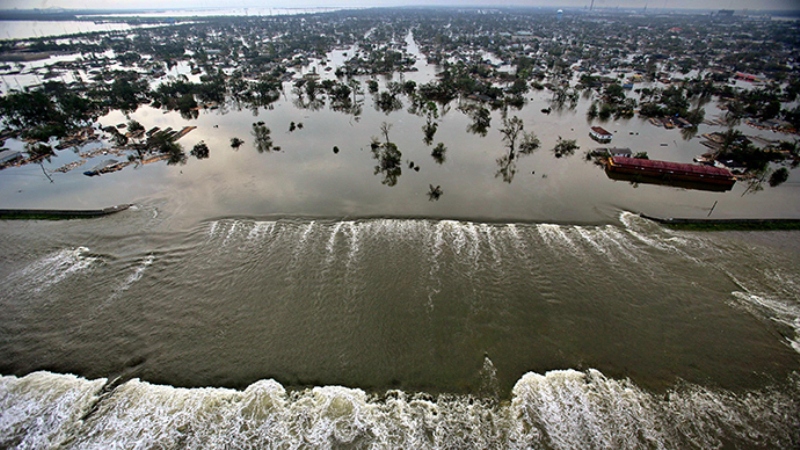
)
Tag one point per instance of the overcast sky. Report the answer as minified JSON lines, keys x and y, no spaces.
{"x":651,"y":4}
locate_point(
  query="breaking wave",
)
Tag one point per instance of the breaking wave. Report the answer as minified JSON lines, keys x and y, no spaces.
{"x":53,"y":268}
{"x":563,"y":409}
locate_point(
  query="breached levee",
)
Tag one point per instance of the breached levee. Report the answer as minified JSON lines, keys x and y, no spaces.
{"x":693,"y":337}
{"x":559,"y":410}
{"x":59,"y":214}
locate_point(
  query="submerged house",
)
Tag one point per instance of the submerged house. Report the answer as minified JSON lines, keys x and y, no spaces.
{"x":612,"y":151}
{"x":600,"y":134}
{"x":103,"y":167}
{"x":7,"y":156}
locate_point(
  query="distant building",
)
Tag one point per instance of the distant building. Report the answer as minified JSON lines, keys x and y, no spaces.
{"x":725,"y":13}
{"x":747,"y":77}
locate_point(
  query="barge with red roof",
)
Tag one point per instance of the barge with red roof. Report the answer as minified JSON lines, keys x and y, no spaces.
{"x":670,"y":173}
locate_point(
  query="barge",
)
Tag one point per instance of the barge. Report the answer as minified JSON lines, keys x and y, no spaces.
{"x":690,"y":176}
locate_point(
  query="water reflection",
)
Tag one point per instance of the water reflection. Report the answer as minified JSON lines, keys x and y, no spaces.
{"x":263,"y":139}
{"x":438,"y":153}
{"x":636,"y":180}
{"x":688,"y":133}
{"x":481,"y":118}
{"x":431,"y":113}
{"x":564,"y":147}
{"x":434,"y":193}
{"x":38,"y":153}
{"x":200,"y":150}
{"x":236,"y":142}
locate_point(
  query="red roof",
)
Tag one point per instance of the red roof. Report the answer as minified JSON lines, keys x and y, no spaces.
{"x":670,"y":167}
{"x":601,"y":130}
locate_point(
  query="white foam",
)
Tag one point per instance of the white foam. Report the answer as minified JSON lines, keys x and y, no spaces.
{"x":307,"y":232}
{"x":261,"y":229}
{"x":231,"y":232}
{"x":519,"y":244}
{"x":593,"y":237}
{"x":54,"y":268}
{"x":354,"y":243}
{"x":786,"y":312}
{"x":488,"y":231}
{"x":212,"y":229}
{"x":613,"y":236}
{"x":332,"y":238}
{"x":570,"y":409}
{"x":563,"y":409}
{"x":135,"y":276}
{"x":456,"y":233}
{"x":475,"y":241}
{"x":633,"y":225}
{"x":41,"y":410}
{"x":555,"y":238}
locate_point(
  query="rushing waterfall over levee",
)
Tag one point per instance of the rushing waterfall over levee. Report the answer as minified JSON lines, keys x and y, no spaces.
{"x":562,"y":409}
{"x":396,"y":333}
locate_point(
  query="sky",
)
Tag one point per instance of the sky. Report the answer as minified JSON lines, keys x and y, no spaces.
{"x":651,"y":4}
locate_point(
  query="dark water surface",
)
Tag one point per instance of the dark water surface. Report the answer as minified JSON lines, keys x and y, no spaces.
{"x":663,"y":322}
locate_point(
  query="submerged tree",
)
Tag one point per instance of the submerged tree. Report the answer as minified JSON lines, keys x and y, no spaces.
{"x":39,"y":153}
{"x":434,"y":192}
{"x":562,"y":96}
{"x":387,"y":102}
{"x":778,"y":177}
{"x":389,"y":157}
{"x":200,"y":150}
{"x":565,"y":147}
{"x":481,"y":120}
{"x":263,"y":140}
{"x":511,"y":130}
{"x":438,"y":153}
{"x":236,"y":143}
{"x":135,"y":127}
{"x":592,"y":112}
{"x":511,"y":133}
{"x":164,"y":143}
{"x":430,"y":127}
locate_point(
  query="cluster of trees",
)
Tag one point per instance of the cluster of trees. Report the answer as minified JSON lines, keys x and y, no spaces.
{"x":613,"y":102}
{"x":670,"y":102}
{"x":52,"y":110}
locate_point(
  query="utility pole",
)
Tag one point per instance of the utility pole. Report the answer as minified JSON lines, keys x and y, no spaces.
{"x":712,"y":208}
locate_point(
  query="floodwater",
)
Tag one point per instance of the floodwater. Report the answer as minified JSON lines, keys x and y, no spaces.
{"x":26,"y":29}
{"x":292,"y":299}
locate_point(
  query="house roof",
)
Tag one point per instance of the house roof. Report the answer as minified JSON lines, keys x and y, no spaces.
{"x":601,"y":130}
